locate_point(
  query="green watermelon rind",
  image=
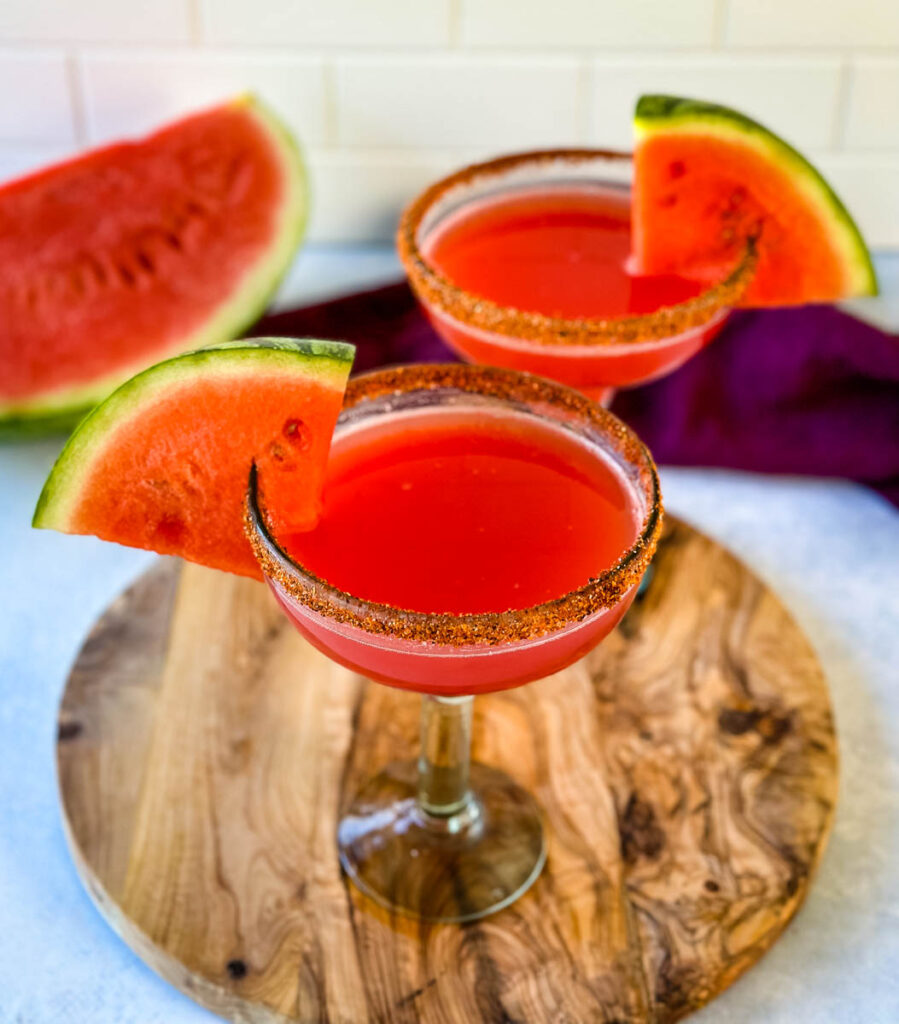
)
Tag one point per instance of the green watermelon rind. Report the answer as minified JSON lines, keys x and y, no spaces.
{"x":329,"y":361}
{"x":63,"y":408}
{"x":658,"y":113}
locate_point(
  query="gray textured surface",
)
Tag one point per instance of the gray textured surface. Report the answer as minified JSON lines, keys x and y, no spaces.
{"x":830,"y":549}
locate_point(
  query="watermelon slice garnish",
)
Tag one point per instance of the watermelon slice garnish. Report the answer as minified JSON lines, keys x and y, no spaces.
{"x":137,"y":251}
{"x":163,"y":463}
{"x":707,"y":179}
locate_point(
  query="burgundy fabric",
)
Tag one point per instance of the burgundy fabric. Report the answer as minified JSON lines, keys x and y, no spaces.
{"x":808,"y":390}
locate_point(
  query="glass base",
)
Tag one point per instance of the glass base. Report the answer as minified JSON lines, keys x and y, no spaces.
{"x":456,"y":867}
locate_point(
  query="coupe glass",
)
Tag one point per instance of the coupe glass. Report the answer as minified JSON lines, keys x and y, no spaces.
{"x":594,"y":355}
{"x":439,"y":837}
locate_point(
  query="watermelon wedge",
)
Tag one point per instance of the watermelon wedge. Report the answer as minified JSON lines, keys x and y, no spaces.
{"x":707,"y":179}
{"x":163,"y":463}
{"x":134,"y":252}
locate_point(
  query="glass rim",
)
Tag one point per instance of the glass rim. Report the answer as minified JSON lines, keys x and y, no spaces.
{"x":469,"y":309}
{"x":601,"y":592}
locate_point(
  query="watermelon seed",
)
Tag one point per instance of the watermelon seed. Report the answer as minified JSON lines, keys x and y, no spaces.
{"x":126,"y":275}
{"x":194,"y":209}
{"x":282,"y":457}
{"x":667,"y":201}
{"x":173,"y":240}
{"x":97,"y":269}
{"x":298,"y":434}
{"x":677,"y":169}
{"x":171,"y":529}
{"x":144,"y":260}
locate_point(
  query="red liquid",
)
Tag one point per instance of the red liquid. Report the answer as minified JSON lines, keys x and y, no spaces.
{"x":454,"y":511}
{"x":560,"y":251}
{"x":454,"y":516}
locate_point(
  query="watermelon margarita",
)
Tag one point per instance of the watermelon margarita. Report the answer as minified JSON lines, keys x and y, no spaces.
{"x":491,"y":510}
{"x":474,"y":513}
{"x":480,"y":529}
{"x":524,"y":262}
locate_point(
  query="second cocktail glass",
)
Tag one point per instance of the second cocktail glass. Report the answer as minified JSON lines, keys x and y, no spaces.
{"x":575,"y":201}
{"x":439,"y":837}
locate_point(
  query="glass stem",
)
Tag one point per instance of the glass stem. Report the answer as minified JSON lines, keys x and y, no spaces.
{"x":445,"y":758}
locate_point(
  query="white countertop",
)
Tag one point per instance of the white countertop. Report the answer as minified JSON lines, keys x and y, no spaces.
{"x":830,"y":550}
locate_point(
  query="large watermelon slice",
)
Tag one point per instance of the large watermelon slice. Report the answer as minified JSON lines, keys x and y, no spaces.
{"x":163,"y":463}
{"x":134,"y":252}
{"x":707,"y":178}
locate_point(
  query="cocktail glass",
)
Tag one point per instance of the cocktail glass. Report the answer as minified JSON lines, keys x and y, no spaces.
{"x":439,"y":837}
{"x":594,"y":355}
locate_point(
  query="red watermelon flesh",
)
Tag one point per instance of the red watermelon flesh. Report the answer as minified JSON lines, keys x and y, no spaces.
{"x":163,"y":463}
{"x":707,"y":179}
{"x":130,"y":253}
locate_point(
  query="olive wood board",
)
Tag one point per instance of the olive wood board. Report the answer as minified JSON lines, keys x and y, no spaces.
{"x":687,"y":770}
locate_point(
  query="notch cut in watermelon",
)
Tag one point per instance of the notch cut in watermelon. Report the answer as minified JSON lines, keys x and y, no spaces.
{"x":707,"y":179}
{"x":134,"y":252}
{"x":163,"y":463}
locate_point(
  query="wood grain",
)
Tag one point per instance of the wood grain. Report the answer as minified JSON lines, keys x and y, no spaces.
{"x":687,"y":769}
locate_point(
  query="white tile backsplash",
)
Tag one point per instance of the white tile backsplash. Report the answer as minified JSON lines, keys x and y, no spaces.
{"x":95,"y":21}
{"x":358,"y":195}
{"x":37,"y":105}
{"x":807,"y":23}
{"x":386,"y":95}
{"x":872,"y":114}
{"x":326,"y":22}
{"x":127,"y":93}
{"x":459,"y":101}
{"x":796,"y":98}
{"x":19,"y":160}
{"x":579,"y":23}
{"x":869,"y":185}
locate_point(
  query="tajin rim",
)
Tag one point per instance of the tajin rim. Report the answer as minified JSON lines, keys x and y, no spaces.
{"x":601,"y":592}
{"x":469,"y":309}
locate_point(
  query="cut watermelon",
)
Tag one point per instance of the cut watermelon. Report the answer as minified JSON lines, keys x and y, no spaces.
{"x":706,"y":179}
{"x":163,"y":463}
{"x":138,"y":251}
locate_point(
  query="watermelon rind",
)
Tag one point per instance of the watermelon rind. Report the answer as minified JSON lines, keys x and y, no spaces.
{"x":328,"y":361}
{"x":61,"y":409}
{"x":674,"y":114}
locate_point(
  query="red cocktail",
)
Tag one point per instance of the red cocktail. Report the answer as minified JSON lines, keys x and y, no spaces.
{"x":466,"y":511}
{"x":523,"y":262}
{"x":481,"y":528}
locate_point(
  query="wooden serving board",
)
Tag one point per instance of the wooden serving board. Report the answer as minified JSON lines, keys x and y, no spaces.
{"x":687,"y":770}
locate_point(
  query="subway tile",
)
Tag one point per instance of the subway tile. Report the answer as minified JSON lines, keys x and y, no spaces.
{"x":794,"y":97}
{"x":326,"y":22}
{"x":458,"y":101}
{"x":873,"y":108}
{"x":18,"y":160}
{"x":96,"y":21}
{"x":37,"y":105}
{"x":605,"y":23}
{"x":867,"y":185}
{"x":129,"y":94}
{"x":812,"y":23}
{"x":358,"y":195}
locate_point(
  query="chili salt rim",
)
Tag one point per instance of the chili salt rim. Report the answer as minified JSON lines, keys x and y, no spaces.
{"x":473,"y":310}
{"x":485,"y":628}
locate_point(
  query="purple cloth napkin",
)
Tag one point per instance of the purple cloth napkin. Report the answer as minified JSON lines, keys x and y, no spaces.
{"x":806,"y":390}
